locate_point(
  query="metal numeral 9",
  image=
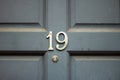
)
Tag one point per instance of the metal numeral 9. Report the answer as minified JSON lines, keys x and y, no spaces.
{"x":64,"y":41}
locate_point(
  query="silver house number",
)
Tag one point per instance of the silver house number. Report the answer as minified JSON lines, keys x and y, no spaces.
{"x":64,"y":42}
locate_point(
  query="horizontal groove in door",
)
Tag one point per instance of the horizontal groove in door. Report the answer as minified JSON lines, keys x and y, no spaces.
{"x":20,"y":58}
{"x":95,"y":27}
{"x":94,"y":53}
{"x":79,"y":24}
{"x":98,"y":58}
{"x":21,"y":27}
{"x":22,"y":53}
{"x":8,"y":29}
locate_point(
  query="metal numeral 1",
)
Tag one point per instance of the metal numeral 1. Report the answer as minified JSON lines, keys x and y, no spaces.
{"x":50,"y":40}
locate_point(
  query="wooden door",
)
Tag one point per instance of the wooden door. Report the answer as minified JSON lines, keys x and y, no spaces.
{"x":22,"y":43}
{"x":92,"y":27}
{"x":94,"y":39}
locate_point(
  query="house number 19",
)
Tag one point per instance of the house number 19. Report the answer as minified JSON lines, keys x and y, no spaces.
{"x":64,"y":41}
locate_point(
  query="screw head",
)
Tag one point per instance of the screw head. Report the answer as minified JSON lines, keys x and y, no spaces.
{"x":55,"y":59}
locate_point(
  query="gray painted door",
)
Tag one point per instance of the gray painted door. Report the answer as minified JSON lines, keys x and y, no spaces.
{"x":92,"y":26}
